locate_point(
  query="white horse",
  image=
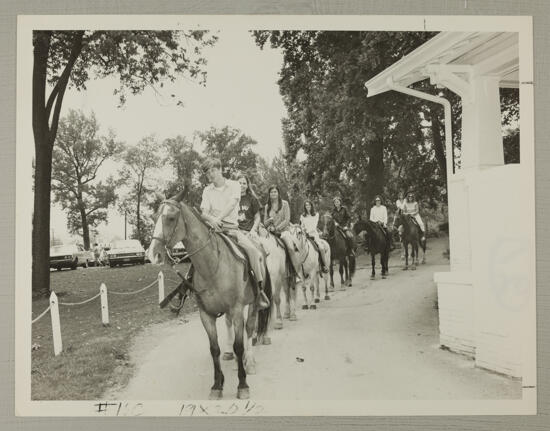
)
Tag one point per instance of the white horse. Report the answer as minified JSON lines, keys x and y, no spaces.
{"x":305,"y":259}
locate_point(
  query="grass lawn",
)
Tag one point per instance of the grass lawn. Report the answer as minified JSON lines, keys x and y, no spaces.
{"x":95,"y":358}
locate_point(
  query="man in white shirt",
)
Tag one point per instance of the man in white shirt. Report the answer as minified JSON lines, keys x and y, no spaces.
{"x":379,"y":214}
{"x":220,"y":207}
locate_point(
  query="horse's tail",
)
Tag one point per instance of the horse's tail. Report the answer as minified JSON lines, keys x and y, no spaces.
{"x":351,"y":260}
{"x":264,"y":315}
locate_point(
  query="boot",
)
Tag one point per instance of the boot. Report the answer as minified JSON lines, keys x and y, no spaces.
{"x":262,"y":300}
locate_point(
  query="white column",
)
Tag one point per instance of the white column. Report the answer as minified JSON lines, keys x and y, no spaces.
{"x":481,"y":125}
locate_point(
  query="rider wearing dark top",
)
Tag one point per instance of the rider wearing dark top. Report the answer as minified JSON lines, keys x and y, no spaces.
{"x":342,"y":219}
{"x":248,"y":208}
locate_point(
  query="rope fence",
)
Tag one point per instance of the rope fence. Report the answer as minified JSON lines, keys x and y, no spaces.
{"x":53,"y":308}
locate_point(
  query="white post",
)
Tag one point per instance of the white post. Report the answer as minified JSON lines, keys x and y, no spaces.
{"x":56,"y":326}
{"x":104,"y":305}
{"x":161,"y":286}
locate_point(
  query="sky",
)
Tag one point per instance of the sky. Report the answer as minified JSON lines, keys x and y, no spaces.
{"x":241,"y":91}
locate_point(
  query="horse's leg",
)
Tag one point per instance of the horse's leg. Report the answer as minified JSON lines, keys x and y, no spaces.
{"x":228,"y":353}
{"x":331,"y":270}
{"x":304,"y":291}
{"x":406,"y":245}
{"x":251,"y":313}
{"x":291,"y":298}
{"x":209,"y":323}
{"x":277,"y":299}
{"x":347,"y":275}
{"x":238,"y":347}
{"x":314,"y":288}
{"x":341,"y":271}
{"x":414,"y":253}
{"x":373,"y":264}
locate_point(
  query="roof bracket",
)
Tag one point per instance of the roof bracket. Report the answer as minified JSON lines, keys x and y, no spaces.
{"x":456,"y":77}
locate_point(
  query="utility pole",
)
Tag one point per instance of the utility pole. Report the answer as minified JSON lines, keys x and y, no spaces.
{"x":125,"y":224}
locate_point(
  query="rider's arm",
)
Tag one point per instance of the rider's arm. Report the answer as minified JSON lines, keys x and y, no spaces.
{"x":286,"y":217}
{"x":371,"y":217}
{"x":235,"y":197}
{"x":256,"y":221}
{"x":385,"y":216}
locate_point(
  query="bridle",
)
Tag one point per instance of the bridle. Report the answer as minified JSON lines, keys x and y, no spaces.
{"x":165,"y":241}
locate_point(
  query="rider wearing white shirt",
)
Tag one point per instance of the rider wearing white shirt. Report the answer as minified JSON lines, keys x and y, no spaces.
{"x":309,"y":221}
{"x":379,"y":213}
{"x":220,"y":207}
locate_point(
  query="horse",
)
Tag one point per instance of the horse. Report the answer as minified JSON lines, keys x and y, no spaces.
{"x":305,"y":260}
{"x":411,"y":235}
{"x":339,"y":251}
{"x":221,"y":284}
{"x":377,"y":242}
{"x":282,"y":275}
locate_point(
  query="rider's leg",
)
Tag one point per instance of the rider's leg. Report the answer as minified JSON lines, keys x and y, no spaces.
{"x":321,"y":252}
{"x":422,"y":227}
{"x":349,"y":241}
{"x":256,"y":262}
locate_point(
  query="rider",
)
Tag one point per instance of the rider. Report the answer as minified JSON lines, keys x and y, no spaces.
{"x":249,"y":207}
{"x":410,"y":207}
{"x":276,"y":212}
{"x":220,"y":207}
{"x":341,"y":218}
{"x":309,"y":221}
{"x":379,"y":214}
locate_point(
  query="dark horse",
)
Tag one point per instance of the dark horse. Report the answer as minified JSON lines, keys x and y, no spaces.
{"x":221,"y":284}
{"x":377,"y":242}
{"x":411,"y":235}
{"x":338,"y":250}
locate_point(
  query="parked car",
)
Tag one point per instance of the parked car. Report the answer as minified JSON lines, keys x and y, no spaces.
{"x":125,"y":251}
{"x":70,"y":256}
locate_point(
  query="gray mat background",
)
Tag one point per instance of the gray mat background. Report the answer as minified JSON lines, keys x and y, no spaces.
{"x":9,"y":9}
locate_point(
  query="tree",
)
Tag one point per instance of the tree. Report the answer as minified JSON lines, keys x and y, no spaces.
{"x":62,"y":58}
{"x":139,"y":161}
{"x":232,"y":147}
{"x":345,"y":135}
{"x":78,"y":156}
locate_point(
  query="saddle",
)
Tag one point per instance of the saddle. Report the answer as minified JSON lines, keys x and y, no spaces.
{"x":342,"y":232}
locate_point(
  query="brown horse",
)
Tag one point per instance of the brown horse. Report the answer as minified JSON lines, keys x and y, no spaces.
{"x":339,"y":251}
{"x":221,"y":283}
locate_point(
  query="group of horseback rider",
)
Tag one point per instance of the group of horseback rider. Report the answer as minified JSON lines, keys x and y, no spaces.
{"x":233,"y":208}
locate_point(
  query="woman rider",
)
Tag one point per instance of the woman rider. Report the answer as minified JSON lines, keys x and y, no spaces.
{"x":276,"y":212}
{"x":309,"y":221}
{"x":341,"y":218}
{"x":410,"y":207}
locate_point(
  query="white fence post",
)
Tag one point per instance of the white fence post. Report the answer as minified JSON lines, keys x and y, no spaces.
{"x":161,"y":286}
{"x":104,"y":305}
{"x":56,"y":326}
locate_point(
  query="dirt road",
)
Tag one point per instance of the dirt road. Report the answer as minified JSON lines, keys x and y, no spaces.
{"x":377,"y":340}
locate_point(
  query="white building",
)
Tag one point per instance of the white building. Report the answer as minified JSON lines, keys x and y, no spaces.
{"x":486,"y":301}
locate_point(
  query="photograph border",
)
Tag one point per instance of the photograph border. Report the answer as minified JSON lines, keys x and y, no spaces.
{"x":539,"y":9}
{"x":26,"y":406}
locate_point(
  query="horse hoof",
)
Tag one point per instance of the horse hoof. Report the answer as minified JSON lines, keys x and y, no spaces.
{"x":304,"y":307}
{"x":266,"y":341}
{"x":215,"y":394}
{"x":254,"y":341}
{"x":405,"y":268}
{"x":278,"y":325}
{"x":383,"y":277}
{"x":423,"y":261}
{"x":286,"y":316}
{"x":327,"y":297}
{"x":413,"y":268}
{"x":293,"y":317}
{"x":313,"y":307}
{"x":372,"y":277}
{"x":228,"y":356}
{"x":243,"y":393}
{"x":317,"y":300}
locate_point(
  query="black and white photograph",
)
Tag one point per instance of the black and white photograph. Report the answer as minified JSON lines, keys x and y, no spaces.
{"x":275,"y":215}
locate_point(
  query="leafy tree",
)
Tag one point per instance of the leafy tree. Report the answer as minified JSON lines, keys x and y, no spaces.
{"x":232,"y":147}
{"x":139,"y":161}
{"x":70,"y":58}
{"x":77,"y":158}
{"x":345,"y":135}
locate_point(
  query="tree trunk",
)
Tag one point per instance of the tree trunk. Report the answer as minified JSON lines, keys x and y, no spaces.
{"x":43,"y":169}
{"x":438,"y":144}
{"x":84,"y":221}
{"x":44,"y":137}
{"x":375,"y":172}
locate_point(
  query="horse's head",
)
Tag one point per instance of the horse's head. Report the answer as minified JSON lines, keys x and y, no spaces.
{"x":294,"y":239}
{"x":169,"y":229}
